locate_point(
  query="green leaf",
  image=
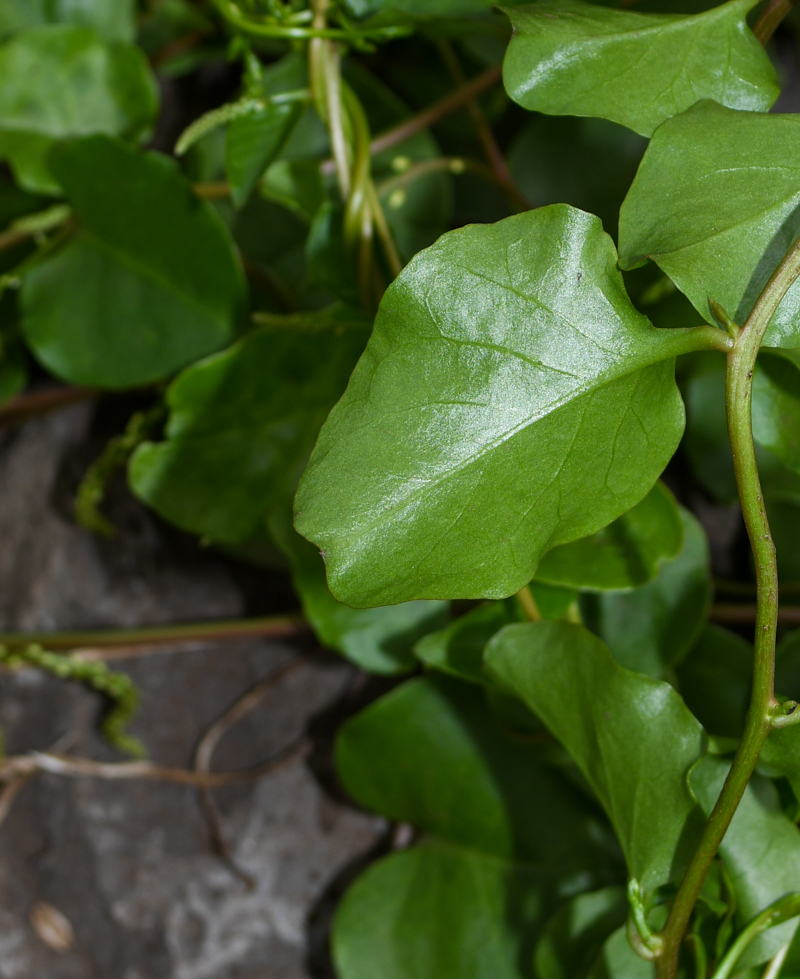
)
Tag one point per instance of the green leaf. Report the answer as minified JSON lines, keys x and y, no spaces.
{"x":510,"y":399}
{"x":430,"y":753}
{"x":253,"y":141}
{"x":113,"y":19}
{"x":706,"y":443}
{"x":761,"y":851}
{"x":618,"y":960}
{"x":327,"y":259}
{"x":507,"y":832}
{"x":715,"y":205}
{"x":61,"y":82}
{"x":651,"y":629}
{"x":781,"y":754}
{"x":715,"y":681}
{"x":625,"y":554}
{"x":148,"y":284}
{"x":567,"y":57}
{"x":616,"y":725}
{"x":574,"y":936}
{"x":439,"y":911}
{"x":776,"y":407}
{"x":378,"y":640}
{"x":458,"y":648}
{"x":243,"y":422}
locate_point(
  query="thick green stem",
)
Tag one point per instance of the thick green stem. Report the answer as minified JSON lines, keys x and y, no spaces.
{"x":763,"y":706}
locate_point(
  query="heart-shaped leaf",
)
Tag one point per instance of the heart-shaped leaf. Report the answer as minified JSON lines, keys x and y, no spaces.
{"x":510,"y":399}
{"x":632,"y":737}
{"x":573,"y":58}
{"x":149,"y":283}
{"x":715,"y":205}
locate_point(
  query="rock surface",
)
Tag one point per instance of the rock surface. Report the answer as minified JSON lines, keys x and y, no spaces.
{"x":130,"y":863}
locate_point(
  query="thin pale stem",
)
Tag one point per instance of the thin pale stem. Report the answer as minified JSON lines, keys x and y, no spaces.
{"x":483,"y":130}
{"x":770,"y":19}
{"x":455,"y":165}
{"x":763,"y":706}
{"x":428,"y":117}
{"x":282,"y":625}
{"x":734,"y":614}
{"x":773,"y":970}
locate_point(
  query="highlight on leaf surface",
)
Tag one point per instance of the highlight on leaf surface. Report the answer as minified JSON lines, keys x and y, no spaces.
{"x":511,"y":399}
{"x":715,"y":205}
{"x":573,"y":58}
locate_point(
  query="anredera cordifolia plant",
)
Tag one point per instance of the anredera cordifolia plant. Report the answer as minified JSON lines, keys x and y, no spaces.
{"x":601,"y":783}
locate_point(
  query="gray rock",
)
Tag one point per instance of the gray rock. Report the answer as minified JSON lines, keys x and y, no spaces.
{"x":130,"y":863}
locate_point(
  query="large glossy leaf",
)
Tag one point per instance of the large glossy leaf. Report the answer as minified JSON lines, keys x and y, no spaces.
{"x":65,"y":81}
{"x":624,"y":555}
{"x":616,"y":725}
{"x":379,"y":640}
{"x":253,"y":141}
{"x":148,"y":284}
{"x":576,"y":933}
{"x":510,"y":399}
{"x":652,"y":628}
{"x":506,"y":829}
{"x":242,"y":423}
{"x":761,"y":851}
{"x":573,"y":58}
{"x":715,"y":204}
{"x":114,"y":19}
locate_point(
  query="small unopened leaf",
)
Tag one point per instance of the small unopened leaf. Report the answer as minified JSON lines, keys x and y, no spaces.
{"x":573,"y":58}
{"x":63,"y":81}
{"x":632,"y":737}
{"x":243,"y":422}
{"x":651,"y":629}
{"x":378,"y":640}
{"x":761,"y":851}
{"x":624,"y":555}
{"x":149,"y":283}
{"x":510,"y":399}
{"x":715,"y":205}
{"x":253,"y":141}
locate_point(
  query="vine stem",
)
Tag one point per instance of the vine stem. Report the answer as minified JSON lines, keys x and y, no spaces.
{"x":764,"y":709}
